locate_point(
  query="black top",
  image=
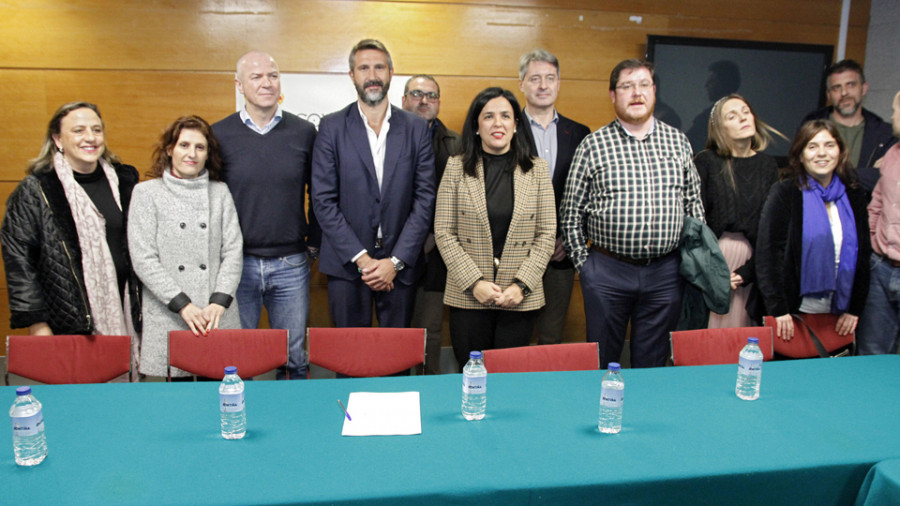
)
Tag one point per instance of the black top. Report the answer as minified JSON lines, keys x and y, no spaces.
{"x":498,"y":192}
{"x":735,"y":208}
{"x":97,"y":187}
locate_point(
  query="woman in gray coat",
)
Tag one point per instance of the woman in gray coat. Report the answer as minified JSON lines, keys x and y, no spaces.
{"x":185,"y":242}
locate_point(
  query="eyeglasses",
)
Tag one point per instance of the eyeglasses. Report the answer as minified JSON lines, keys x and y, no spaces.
{"x":419,"y":94}
{"x":641,"y":86}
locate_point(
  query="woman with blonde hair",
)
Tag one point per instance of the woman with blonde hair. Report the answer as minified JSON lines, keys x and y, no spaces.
{"x":735,"y":178}
{"x":64,"y":246}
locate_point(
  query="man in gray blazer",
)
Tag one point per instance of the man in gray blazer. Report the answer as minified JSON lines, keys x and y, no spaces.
{"x":373,"y":193}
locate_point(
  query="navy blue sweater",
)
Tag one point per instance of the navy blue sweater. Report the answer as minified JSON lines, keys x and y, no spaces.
{"x":269,"y":177}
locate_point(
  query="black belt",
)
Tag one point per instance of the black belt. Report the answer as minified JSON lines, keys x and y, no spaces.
{"x":640,"y":262}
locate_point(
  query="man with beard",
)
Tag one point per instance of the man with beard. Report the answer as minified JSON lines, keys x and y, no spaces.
{"x":865,"y":134}
{"x":422,"y":96}
{"x":630,"y":186}
{"x":373,"y":193}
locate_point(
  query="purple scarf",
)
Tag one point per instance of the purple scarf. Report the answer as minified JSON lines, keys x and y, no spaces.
{"x":817,"y":277}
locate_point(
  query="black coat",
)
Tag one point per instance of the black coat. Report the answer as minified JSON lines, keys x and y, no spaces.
{"x":42,"y":256}
{"x":446,"y":143}
{"x":779,"y":249}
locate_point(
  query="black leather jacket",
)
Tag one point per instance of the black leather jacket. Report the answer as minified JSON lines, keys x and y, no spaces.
{"x":43,"y":258}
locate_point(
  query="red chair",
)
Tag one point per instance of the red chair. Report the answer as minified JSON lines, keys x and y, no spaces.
{"x":365,"y":352}
{"x":547,"y":357}
{"x":717,"y":346}
{"x":252,"y":351}
{"x":62,"y":359}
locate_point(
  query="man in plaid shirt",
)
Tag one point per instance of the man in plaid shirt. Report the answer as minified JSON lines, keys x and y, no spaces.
{"x":629,"y":188}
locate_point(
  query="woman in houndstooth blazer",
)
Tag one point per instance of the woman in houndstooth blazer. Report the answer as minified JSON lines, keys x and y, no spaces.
{"x":495,"y":227}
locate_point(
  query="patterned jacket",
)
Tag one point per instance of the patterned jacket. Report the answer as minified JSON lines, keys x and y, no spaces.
{"x":463,"y":234}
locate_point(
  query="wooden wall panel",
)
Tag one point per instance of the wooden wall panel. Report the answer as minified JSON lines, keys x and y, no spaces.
{"x":147,"y":62}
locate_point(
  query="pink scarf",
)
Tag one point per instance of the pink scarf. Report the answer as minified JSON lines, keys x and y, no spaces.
{"x":100,"y":281}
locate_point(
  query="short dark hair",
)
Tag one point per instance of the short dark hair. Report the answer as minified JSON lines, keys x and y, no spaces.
{"x":421,"y":76}
{"x":844,"y":66}
{"x":369,"y":44}
{"x":631,"y":63}
{"x":797,"y":172}
{"x":162,"y":161}
{"x":520,"y":146}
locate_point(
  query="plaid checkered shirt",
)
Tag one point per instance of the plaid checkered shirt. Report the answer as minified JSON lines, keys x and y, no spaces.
{"x":627,"y":195}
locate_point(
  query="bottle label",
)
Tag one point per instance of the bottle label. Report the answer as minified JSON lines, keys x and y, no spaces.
{"x":231,"y":403}
{"x":28,"y":425}
{"x":751,"y":367}
{"x":611,"y":397}
{"x":474,"y":385}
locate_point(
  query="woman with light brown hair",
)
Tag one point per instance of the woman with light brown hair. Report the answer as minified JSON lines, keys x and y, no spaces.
{"x":735,"y":178}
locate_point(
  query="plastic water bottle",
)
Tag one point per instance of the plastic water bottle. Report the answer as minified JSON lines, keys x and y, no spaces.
{"x":231,"y":405}
{"x":749,"y":371}
{"x":29,"y":440}
{"x":474,"y":393}
{"x":612,"y":397}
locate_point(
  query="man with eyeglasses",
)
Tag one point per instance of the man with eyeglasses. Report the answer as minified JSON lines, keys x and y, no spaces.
{"x":554,"y":138}
{"x":422,"y":96}
{"x":866,"y":135}
{"x":630,"y":186}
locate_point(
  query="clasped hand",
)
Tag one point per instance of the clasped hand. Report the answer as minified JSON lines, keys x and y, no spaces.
{"x":202,"y":320}
{"x":490,"y":294}
{"x":377,"y":274}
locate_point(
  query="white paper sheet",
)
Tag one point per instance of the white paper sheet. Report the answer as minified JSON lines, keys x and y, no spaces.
{"x":383,"y":414}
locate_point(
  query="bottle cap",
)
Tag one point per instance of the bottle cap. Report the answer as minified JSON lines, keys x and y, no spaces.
{"x":614,"y":367}
{"x":23,"y":391}
{"x":475,"y":354}
{"x":754,"y":340}
{"x":231,"y":370}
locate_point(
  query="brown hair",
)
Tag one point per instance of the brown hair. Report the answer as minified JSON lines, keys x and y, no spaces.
{"x":724,"y":146}
{"x":795,"y":169}
{"x":162,"y":161}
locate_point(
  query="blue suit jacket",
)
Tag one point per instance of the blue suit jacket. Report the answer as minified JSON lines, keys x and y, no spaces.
{"x":348,"y":203}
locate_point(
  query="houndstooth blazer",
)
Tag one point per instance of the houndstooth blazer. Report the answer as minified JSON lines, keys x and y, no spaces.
{"x":463,"y":234}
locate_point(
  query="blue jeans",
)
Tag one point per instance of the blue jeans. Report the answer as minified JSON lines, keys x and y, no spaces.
{"x":879,"y":323}
{"x":282,"y":285}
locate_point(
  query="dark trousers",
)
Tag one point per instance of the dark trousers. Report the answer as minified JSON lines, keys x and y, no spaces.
{"x":486,"y":329}
{"x":351,"y":302}
{"x":616,"y":292}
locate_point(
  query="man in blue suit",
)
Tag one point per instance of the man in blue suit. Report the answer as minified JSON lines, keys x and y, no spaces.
{"x":373,"y":194}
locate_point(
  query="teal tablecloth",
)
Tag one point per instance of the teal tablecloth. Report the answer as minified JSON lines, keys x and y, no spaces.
{"x":817,"y":428}
{"x":882,"y":485}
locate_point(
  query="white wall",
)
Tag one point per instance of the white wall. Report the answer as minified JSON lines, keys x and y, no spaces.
{"x":883,"y":56}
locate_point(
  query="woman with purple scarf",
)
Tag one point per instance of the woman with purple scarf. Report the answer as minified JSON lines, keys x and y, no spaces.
{"x":813,"y":247}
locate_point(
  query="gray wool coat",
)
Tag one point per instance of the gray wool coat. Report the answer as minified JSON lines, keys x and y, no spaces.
{"x":183,"y":237}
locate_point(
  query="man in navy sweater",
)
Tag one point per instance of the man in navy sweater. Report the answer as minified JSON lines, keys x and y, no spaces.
{"x":267,"y":154}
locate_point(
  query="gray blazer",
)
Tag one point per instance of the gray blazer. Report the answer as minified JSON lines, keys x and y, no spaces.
{"x":183,"y":237}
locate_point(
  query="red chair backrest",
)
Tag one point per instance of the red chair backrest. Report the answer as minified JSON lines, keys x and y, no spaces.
{"x":717,"y":346}
{"x":366,"y":351}
{"x":252,"y":351}
{"x":62,"y":359}
{"x":547,"y":357}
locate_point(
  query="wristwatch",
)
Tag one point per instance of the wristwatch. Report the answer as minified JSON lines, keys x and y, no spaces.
{"x":398,"y":264}
{"x":523,"y":287}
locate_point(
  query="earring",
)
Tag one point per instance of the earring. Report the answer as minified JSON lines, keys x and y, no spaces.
{"x":60,"y":149}
{"x":476,"y":133}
